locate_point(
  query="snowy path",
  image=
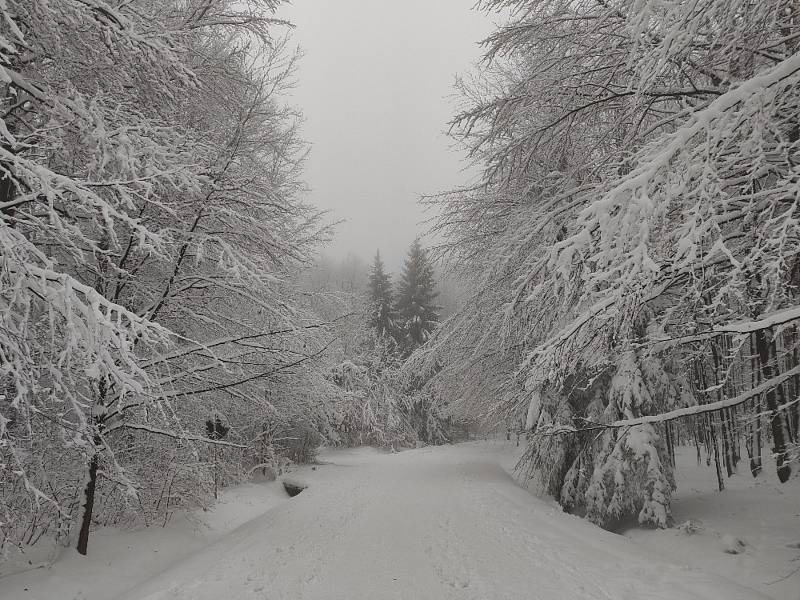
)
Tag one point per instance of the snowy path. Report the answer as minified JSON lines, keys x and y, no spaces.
{"x":438,"y":523}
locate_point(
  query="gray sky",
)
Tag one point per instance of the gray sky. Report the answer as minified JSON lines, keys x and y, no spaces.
{"x":375,"y":87}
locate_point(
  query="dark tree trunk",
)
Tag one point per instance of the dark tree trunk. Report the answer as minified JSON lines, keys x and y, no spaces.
{"x":765,"y":346}
{"x":726,"y":448}
{"x":734,"y":441}
{"x":733,"y":433}
{"x":88,"y":505}
{"x":91,"y":484}
{"x":696,"y":429}
{"x":756,"y":466}
{"x":704,"y":426}
{"x":715,"y":446}
{"x":755,"y":427}
{"x":794,"y":410}
{"x":670,"y":443}
{"x":748,"y":444}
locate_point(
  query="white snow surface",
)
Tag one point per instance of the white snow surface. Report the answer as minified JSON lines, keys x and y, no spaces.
{"x":434,"y":523}
{"x":762,"y":513}
{"x":121,"y":560}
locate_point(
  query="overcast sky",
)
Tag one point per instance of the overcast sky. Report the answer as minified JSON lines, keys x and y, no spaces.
{"x":375,"y":86}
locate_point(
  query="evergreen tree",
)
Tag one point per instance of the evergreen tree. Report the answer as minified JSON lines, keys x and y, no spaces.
{"x":382,"y":316}
{"x":417,"y":312}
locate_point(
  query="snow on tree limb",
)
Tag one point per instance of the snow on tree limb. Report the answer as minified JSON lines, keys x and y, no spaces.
{"x":114,"y":132}
{"x":689,"y":411}
{"x":176,"y":435}
{"x":639,"y":194}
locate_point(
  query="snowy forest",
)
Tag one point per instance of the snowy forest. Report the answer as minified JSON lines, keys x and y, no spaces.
{"x":604,"y":303}
{"x":635,"y":244}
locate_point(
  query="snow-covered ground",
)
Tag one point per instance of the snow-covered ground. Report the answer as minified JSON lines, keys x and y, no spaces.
{"x":121,"y":560}
{"x":763,"y":513}
{"x":434,"y":523}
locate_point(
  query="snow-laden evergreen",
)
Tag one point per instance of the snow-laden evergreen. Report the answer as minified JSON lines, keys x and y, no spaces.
{"x":383,"y":317}
{"x":416,"y":294}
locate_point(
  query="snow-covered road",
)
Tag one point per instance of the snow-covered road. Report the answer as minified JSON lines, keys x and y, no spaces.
{"x":435,"y":523}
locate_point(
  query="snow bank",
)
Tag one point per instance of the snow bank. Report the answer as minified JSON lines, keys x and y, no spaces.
{"x":744,"y":533}
{"x":120,"y":560}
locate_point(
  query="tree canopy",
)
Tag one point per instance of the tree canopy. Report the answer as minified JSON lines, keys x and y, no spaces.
{"x":636,"y":218}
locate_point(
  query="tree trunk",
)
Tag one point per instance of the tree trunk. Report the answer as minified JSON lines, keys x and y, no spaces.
{"x":764,"y":346}
{"x":726,"y":448}
{"x":670,"y":443}
{"x":794,"y":410}
{"x":748,"y":444}
{"x":733,"y":434}
{"x":715,"y":446}
{"x":755,"y":426}
{"x":88,"y":505}
{"x":756,"y":467}
{"x":704,"y":426}
{"x":216,"y":473}
{"x":696,"y":430}
{"x":91,"y":484}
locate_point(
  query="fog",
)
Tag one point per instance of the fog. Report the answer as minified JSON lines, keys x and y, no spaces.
{"x":375,"y":85}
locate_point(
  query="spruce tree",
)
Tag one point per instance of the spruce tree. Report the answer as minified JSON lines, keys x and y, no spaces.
{"x":415,"y":299}
{"x":381,"y":315}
